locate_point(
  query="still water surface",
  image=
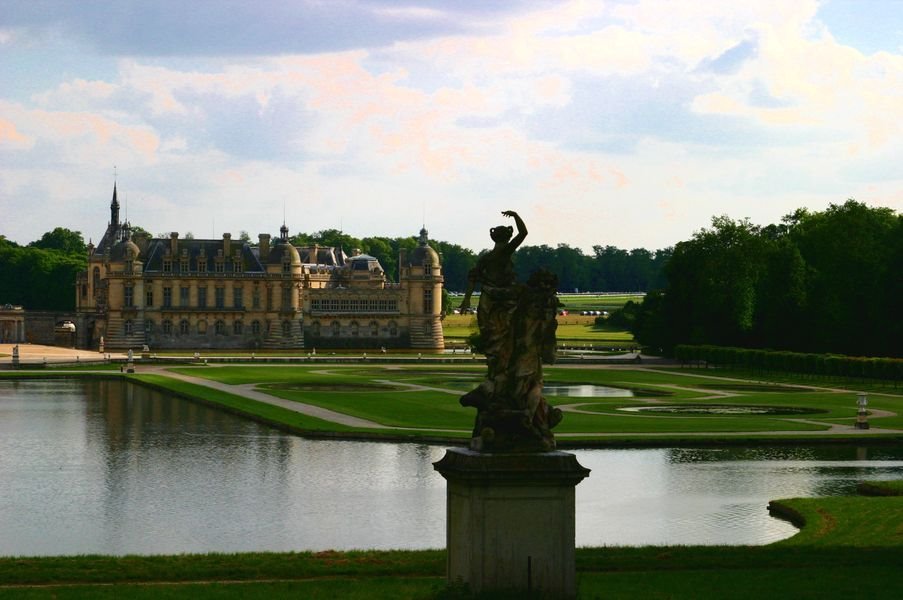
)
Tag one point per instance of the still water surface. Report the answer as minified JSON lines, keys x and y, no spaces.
{"x":107,"y":467}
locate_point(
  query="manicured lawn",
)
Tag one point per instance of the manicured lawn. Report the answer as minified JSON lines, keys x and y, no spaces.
{"x":387,"y":395}
{"x":844,"y":521}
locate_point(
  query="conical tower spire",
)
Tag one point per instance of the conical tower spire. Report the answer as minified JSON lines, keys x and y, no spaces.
{"x":114,"y":208}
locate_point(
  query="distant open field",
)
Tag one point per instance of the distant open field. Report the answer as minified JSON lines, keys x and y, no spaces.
{"x":571,"y":329}
{"x":579,"y":302}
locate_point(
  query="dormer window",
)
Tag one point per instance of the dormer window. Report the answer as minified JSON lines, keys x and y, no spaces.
{"x":286,"y":267}
{"x":183,"y":266}
{"x":236,"y":264}
{"x":220,"y":266}
{"x":167,"y":265}
{"x":428,"y":269}
{"x":202,"y":265}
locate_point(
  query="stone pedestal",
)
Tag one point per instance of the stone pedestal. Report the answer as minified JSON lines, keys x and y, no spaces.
{"x":511,"y":520}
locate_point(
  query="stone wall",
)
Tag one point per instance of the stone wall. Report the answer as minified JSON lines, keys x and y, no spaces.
{"x":39,"y":328}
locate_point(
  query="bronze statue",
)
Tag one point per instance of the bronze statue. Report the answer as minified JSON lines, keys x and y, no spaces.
{"x":517,"y":334}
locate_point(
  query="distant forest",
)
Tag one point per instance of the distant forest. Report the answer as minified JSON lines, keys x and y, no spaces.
{"x":828,"y":281}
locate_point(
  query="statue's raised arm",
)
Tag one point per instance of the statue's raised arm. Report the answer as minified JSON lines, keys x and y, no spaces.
{"x":521,"y":229}
{"x":496,"y":267}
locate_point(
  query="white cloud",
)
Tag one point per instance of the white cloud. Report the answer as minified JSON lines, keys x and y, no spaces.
{"x":464,"y":124}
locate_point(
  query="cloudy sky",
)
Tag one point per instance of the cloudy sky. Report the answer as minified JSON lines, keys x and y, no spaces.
{"x":628,"y":123}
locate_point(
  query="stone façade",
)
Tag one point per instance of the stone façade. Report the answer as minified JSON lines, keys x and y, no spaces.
{"x":177,"y":293}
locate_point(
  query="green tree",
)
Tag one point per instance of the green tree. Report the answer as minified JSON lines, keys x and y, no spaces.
{"x":849,"y":251}
{"x":62,"y":239}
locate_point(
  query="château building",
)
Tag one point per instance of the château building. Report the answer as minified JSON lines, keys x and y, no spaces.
{"x":180,"y":293}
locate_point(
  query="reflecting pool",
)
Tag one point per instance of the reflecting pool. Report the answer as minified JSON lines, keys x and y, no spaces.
{"x":108,"y":467}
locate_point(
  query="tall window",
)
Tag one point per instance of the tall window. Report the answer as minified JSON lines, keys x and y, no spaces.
{"x":129,"y":327}
{"x":255,"y":327}
{"x":202,"y":297}
{"x":237,"y":297}
{"x":220,"y":297}
{"x":355,"y":328}
{"x":149,"y":297}
{"x":237,"y":327}
{"x":129,"y":296}
{"x":167,"y":327}
{"x":286,"y":298}
{"x":255,"y":297}
{"x":183,"y":295}
{"x":220,"y":328}
{"x":427,"y":301}
{"x":184,"y":327}
{"x":96,"y":277}
{"x":374,"y":328}
{"x":336,"y":329}
{"x":393,"y":328}
{"x":167,"y":297}
{"x":148,"y":326}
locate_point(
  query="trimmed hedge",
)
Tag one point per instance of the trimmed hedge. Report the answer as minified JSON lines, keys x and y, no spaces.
{"x":823,"y":365}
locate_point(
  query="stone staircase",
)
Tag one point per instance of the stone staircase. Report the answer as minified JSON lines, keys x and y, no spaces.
{"x":275,"y":340}
{"x":427,"y":334}
{"x":116,"y":338}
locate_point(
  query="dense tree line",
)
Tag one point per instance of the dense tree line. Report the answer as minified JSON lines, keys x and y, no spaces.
{"x":829,"y":281}
{"x":608,"y":269}
{"x":41,"y":276}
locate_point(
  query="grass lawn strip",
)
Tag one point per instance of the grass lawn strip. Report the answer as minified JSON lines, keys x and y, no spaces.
{"x":440,"y":410}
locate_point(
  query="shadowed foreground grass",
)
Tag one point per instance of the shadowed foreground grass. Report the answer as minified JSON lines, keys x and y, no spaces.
{"x":848,"y":548}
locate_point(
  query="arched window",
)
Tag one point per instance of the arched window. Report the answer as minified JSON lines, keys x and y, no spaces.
{"x":219,"y":328}
{"x":393,"y":328}
{"x":255,"y":327}
{"x":129,"y":326}
{"x":167,"y":327}
{"x":96,"y":278}
{"x":374,"y":328}
{"x":237,"y":327}
{"x":336,"y":329}
{"x":184,"y":327}
{"x":355,"y":328}
{"x":315,"y":329}
{"x":286,"y":328}
{"x":148,"y":326}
